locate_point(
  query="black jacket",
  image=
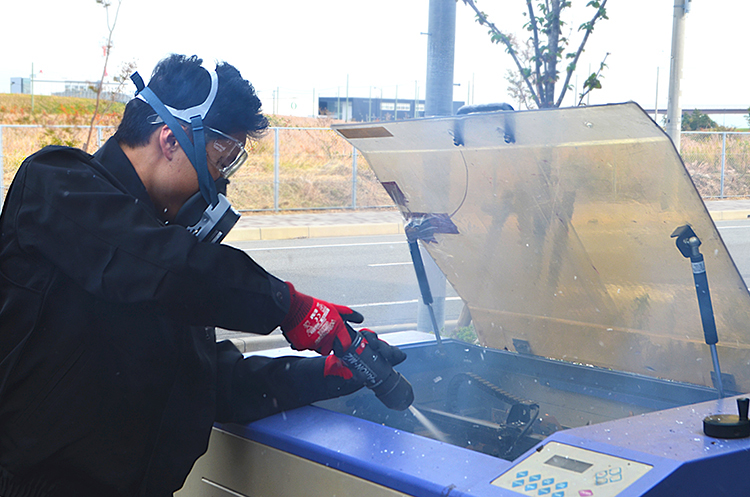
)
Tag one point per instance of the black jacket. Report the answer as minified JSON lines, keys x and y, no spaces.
{"x":110,"y":376}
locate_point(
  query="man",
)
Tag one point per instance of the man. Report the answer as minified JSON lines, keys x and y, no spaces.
{"x":110,"y":374}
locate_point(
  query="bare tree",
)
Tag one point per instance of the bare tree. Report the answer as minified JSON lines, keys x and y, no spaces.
{"x":122,"y":79}
{"x":107,"y":49}
{"x":540,"y":72}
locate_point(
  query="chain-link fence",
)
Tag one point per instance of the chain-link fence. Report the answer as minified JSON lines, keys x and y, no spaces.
{"x":305,"y":169}
{"x":718,"y":162}
{"x":288,"y":168}
{"x":314,"y":168}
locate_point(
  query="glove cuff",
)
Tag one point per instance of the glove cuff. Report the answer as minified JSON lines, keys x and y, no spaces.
{"x":335,"y":367}
{"x":300,"y":306}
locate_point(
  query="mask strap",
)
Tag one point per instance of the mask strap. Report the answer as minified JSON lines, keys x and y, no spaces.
{"x":202,"y":109}
{"x":193,"y":151}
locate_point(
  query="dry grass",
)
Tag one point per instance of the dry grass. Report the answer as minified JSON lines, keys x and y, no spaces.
{"x":703,"y":159}
{"x":315,"y":170}
{"x":49,"y":110}
{"x":315,"y":165}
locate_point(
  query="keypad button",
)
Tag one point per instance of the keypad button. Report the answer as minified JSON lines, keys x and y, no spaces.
{"x":562,"y":484}
{"x":530,"y":486}
{"x":615,"y":478}
{"x":559,"y":494}
{"x":522,"y":474}
{"x":518,"y":483}
{"x":544,"y":491}
{"x":535,"y":478}
{"x":548,"y":481}
{"x":615,"y":471}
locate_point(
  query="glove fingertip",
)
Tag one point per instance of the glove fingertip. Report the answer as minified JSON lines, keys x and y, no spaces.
{"x":354,"y":317}
{"x":399,"y":357}
{"x":368,"y":333}
{"x":390,"y":353}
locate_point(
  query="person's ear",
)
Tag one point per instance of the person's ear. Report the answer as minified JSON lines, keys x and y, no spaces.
{"x":168,"y":142}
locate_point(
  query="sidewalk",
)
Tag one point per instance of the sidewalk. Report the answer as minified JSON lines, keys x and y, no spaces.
{"x":728,"y":210}
{"x":317,"y":225}
{"x":385,"y":222}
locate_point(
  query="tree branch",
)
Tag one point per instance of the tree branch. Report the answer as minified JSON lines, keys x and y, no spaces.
{"x":553,"y":35}
{"x":572,"y":65}
{"x":104,"y":69}
{"x":537,"y":55}
{"x":541,"y":76}
{"x":592,"y":81}
{"x":482,"y":19}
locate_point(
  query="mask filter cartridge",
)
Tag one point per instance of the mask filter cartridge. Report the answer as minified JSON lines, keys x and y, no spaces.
{"x":208,"y":223}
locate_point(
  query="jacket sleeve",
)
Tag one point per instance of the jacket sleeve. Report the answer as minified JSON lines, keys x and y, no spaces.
{"x":254,"y":387}
{"x":113,"y":246}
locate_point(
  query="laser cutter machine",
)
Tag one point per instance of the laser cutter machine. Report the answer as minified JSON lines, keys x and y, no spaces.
{"x":611,"y":326}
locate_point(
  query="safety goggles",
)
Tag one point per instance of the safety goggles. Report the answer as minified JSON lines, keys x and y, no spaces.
{"x":223,"y":152}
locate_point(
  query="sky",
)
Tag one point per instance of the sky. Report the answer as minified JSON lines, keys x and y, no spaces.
{"x":295,"y":50}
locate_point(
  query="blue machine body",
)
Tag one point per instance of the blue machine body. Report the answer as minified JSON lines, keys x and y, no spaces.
{"x":683,"y":460}
{"x":590,"y":374}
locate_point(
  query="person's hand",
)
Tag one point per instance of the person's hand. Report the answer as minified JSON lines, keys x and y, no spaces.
{"x":393,"y":355}
{"x":313,"y":324}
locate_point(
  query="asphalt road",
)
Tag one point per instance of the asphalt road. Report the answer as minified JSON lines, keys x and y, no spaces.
{"x":736,"y":236}
{"x":371,"y":274}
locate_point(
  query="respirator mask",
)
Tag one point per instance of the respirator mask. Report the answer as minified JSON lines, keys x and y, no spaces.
{"x":207,"y":214}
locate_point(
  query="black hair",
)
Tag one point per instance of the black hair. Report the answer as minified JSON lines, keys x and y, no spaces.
{"x":180,"y":82}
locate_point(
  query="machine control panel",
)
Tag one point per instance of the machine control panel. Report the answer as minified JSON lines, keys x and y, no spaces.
{"x":561,"y":470}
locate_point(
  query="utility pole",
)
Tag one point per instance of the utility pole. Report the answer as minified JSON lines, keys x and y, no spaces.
{"x":674,"y":111}
{"x":416,"y":97}
{"x":441,"y":41}
{"x":438,"y":101}
{"x":656,"y":99}
{"x":346,"y":105}
{"x":32,"y":88}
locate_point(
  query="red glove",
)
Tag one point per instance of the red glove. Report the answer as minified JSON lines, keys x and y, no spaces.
{"x":313,"y":324}
{"x":336,"y":367}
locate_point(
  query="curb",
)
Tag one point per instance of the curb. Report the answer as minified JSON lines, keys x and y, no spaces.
{"x":315,"y":231}
{"x":363,"y":229}
{"x":730,"y":215}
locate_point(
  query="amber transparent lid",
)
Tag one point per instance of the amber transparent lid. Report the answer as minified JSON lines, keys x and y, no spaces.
{"x":554,"y":226}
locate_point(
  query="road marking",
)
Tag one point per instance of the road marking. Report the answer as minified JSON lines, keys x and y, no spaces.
{"x":398,"y":302}
{"x":301,"y":247}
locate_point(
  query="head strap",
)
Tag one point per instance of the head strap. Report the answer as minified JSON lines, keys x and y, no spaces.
{"x":186,"y":115}
{"x":196,"y":152}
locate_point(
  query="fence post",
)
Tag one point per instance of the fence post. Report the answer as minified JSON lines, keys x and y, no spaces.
{"x":276,"y":169}
{"x":98,"y":137}
{"x":723,"y":160}
{"x":2,"y":169}
{"x":354,"y":178}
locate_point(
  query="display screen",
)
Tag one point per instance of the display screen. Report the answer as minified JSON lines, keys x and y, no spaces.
{"x":568,"y":463}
